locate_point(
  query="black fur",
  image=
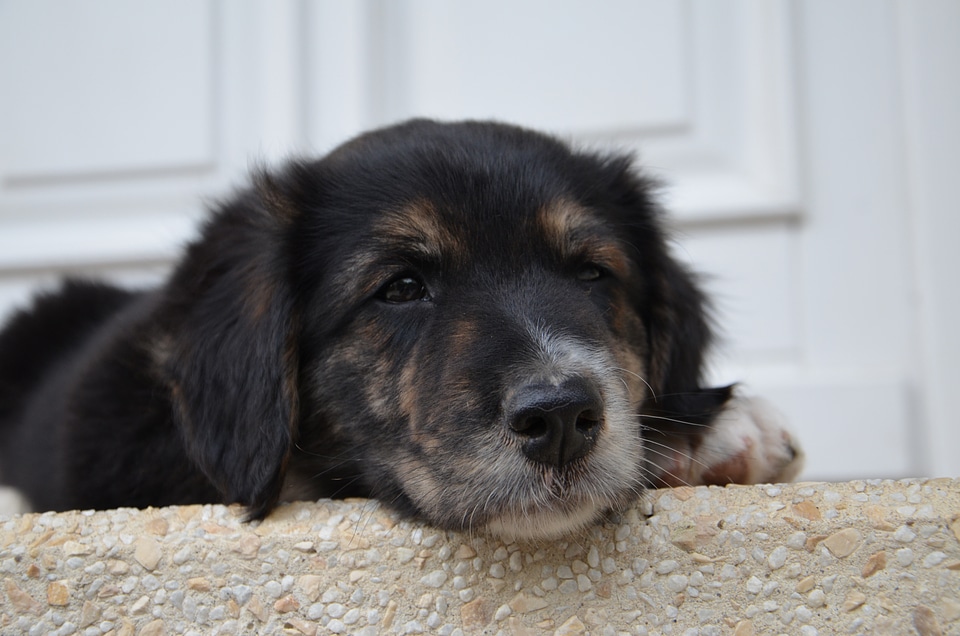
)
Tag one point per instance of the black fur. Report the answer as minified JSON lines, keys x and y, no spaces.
{"x":273,"y":357}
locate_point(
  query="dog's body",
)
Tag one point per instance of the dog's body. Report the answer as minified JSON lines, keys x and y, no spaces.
{"x":470,"y":322}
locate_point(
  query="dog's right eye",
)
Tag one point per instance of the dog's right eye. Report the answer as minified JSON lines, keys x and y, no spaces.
{"x":404,"y":289}
{"x":590,"y":273}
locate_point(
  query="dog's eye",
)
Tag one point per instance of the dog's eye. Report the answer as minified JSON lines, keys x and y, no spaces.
{"x":404,"y":289}
{"x":589,"y":273}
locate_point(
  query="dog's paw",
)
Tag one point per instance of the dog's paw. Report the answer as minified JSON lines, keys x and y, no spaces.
{"x":748,"y":443}
{"x":12,"y":502}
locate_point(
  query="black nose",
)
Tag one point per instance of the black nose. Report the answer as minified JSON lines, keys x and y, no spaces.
{"x":558,"y":424}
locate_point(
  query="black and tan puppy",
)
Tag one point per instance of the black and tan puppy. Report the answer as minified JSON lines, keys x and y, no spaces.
{"x":471,"y":322}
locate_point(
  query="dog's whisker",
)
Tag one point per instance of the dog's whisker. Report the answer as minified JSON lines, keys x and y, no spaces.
{"x":340,"y":457}
{"x":664,"y":418}
{"x":657,"y":474}
{"x":366,"y":515}
{"x":673,"y":452}
{"x":347,"y":483}
{"x":653,"y":394}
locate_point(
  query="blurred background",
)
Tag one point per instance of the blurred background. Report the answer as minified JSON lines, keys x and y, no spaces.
{"x":812,"y":152}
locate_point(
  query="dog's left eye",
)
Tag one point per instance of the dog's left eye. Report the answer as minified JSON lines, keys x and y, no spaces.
{"x":589,"y":273}
{"x":404,"y":289}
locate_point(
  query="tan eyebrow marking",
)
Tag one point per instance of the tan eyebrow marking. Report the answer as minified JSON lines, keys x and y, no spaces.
{"x":418,"y":227}
{"x":413,"y":230}
{"x":575,"y":232}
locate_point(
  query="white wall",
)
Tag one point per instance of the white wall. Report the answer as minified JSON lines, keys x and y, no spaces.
{"x":811,"y":147}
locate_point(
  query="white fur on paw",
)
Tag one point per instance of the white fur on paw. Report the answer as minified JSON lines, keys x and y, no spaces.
{"x":748,"y":443}
{"x":12,"y":502}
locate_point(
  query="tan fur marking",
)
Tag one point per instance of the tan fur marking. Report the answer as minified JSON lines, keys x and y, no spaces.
{"x":408,"y":393}
{"x":562,"y":220}
{"x":378,"y":368}
{"x":576,"y":233}
{"x":464,"y":335}
{"x":418,"y":227}
{"x":623,"y":320}
{"x":608,"y":254}
{"x":409,"y":406}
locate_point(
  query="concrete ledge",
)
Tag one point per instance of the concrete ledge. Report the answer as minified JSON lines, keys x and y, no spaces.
{"x":858,"y":557}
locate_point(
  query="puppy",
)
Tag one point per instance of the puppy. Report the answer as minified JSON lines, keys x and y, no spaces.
{"x":471,"y":322}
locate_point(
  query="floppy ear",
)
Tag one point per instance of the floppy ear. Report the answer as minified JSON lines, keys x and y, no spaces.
{"x":679,"y":336}
{"x":229,"y":347}
{"x":673,"y":307}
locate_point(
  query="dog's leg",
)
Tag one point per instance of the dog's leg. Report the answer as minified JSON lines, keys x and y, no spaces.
{"x":747,"y":443}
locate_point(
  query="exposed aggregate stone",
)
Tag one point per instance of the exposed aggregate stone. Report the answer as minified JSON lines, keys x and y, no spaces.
{"x":813,"y":558}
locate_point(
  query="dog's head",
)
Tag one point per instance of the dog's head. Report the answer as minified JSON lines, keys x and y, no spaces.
{"x":466,"y":321}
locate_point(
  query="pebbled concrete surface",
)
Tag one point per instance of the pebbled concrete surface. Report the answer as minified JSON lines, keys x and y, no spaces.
{"x":862,"y":557}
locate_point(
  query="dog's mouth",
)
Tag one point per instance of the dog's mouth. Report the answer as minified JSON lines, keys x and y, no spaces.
{"x":545,"y":523}
{"x":511,"y":496}
{"x":558,"y":503}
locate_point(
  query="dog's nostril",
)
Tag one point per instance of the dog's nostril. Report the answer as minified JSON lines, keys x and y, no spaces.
{"x":588,"y":422}
{"x":558,"y":424}
{"x":531,"y":426}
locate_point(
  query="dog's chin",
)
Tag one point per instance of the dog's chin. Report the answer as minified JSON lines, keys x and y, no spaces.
{"x":505,"y":494}
{"x":544,"y":524}
{"x":541,"y":510}
{"x":557,"y":506}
